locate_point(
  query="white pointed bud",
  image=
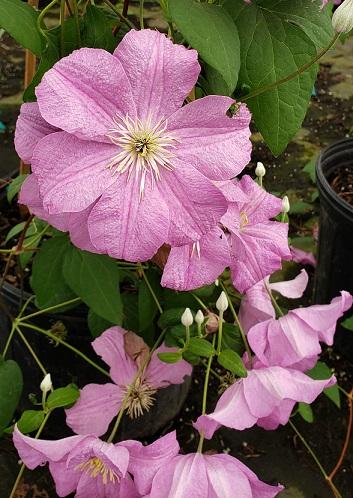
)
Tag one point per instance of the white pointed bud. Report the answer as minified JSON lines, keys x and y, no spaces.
{"x":285,"y":205}
{"x":46,"y":384}
{"x":187,"y":318}
{"x":222,"y":302}
{"x":260,"y":170}
{"x":342,"y":19}
{"x":216,"y":282}
{"x":199,"y":318}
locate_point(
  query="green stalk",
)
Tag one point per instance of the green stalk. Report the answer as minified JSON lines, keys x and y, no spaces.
{"x":50,"y":308}
{"x":205,"y":392}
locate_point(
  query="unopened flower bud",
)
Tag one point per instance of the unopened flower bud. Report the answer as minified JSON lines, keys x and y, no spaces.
{"x":222,"y":302}
{"x":46,"y":384}
{"x":285,"y":205}
{"x":212,"y":323}
{"x":260,"y":170}
{"x":199,"y":318}
{"x":187,"y":318}
{"x":216,"y":282}
{"x":342,"y":19}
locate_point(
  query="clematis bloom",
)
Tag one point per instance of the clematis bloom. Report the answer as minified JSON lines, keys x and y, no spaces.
{"x":128,"y":152}
{"x":200,"y":476}
{"x":293,"y":340}
{"x":98,"y":404}
{"x":266,"y":397}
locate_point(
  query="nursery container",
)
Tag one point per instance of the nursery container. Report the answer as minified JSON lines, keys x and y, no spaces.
{"x":335,"y":248}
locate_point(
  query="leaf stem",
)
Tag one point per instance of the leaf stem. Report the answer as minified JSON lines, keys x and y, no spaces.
{"x":273,"y":300}
{"x":201,"y":303}
{"x":141,"y":14}
{"x":41,"y":17}
{"x":9,"y":339}
{"x":121,"y":17}
{"x":299,"y":71}
{"x":67,"y":345}
{"x":205,"y":392}
{"x":50,"y":308}
{"x":30,"y":349}
{"x":77,"y":22}
{"x":155,"y":298}
{"x":220,"y":332}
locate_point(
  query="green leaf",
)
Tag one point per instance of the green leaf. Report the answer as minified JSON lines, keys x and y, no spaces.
{"x":210,"y":30}
{"x":96,"y":324}
{"x":31,"y":242}
{"x":97,"y":32}
{"x":47,"y":279}
{"x":321,"y":372}
{"x":348,"y":323}
{"x":273,"y":47}
{"x":131,"y":315}
{"x":170,"y":357}
{"x":231,"y":338}
{"x":147,"y":307}
{"x":231,"y":361}
{"x":171,"y":317}
{"x":95,"y":279}
{"x":201,"y":347}
{"x":11,"y":384}
{"x":306,"y":412}
{"x":20,"y":20}
{"x":63,"y":397}
{"x":300,"y":207}
{"x":309,"y":168}
{"x":30,"y":421}
{"x":16,"y":184}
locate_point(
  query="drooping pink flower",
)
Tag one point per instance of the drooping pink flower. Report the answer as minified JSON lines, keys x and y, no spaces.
{"x":82,"y":464}
{"x":257,"y":243}
{"x":294,"y":339}
{"x":200,"y":476}
{"x":99,"y":403}
{"x":131,"y":151}
{"x":192,"y":266}
{"x":256,"y":305}
{"x":265,"y":397}
{"x":303,"y":257}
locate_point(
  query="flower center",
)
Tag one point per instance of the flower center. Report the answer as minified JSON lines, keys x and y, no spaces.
{"x":94,"y":467}
{"x":244,"y":220}
{"x":141,"y":398}
{"x":145,"y":148}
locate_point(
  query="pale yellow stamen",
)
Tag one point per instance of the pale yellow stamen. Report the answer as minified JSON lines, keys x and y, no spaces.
{"x":141,"y":398}
{"x":94,"y":467}
{"x":244,"y":220}
{"x":145,"y":149}
{"x":196,"y":249}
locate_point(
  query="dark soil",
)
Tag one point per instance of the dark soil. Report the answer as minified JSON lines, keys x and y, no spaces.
{"x":341,"y":181}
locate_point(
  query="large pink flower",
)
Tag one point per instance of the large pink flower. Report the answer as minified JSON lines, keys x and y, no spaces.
{"x":129,"y":152}
{"x":100,"y":403}
{"x":95,"y":469}
{"x":294,"y":339}
{"x":265,"y":397}
{"x":208,"y":476}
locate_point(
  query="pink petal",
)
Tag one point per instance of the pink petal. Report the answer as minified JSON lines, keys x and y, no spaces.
{"x":217,"y":145}
{"x":110,"y":347}
{"x":65,"y":479}
{"x":195,"y":204}
{"x":96,"y":407}
{"x":161,"y":74}
{"x":126,"y":227}
{"x":255,"y":306}
{"x":30,"y":128}
{"x":292,"y":289}
{"x":161,"y":374}
{"x":35,"y":452}
{"x":83,"y":92}
{"x":303,"y":257}
{"x":224,"y":477}
{"x":145,"y":461}
{"x":188,"y":267}
{"x":279,"y":416}
{"x":71,"y":173}
{"x":260,"y":205}
{"x":78,"y":229}
{"x":232,"y":191}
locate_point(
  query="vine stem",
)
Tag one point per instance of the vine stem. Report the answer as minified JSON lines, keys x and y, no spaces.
{"x":30,"y":349}
{"x":205,"y":392}
{"x":299,"y":71}
{"x":121,"y":17}
{"x":41,"y":17}
{"x":67,"y":345}
{"x":50,"y":308}
{"x":317,"y":461}
{"x":201,"y":303}
{"x":77,"y":22}
{"x":22,"y":469}
{"x":273,"y":300}
{"x":141,"y":15}
{"x":237,"y":321}
{"x":9,"y":339}
{"x":155,"y":298}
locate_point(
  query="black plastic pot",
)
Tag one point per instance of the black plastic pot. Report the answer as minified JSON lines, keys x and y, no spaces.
{"x":335,"y":250}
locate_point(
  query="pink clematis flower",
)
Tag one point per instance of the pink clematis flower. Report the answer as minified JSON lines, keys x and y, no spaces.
{"x":303,"y":257}
{"x":129,"y":152}
{"x":294,"y":339}
{"x":256,"y":305}
{"x":99,"y":403}
{"x":85,"y":464}
{"x":200,"y":476}
{"x":265,"y":397}
{"x":30,"y":129}
{"x":95,"y":469}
